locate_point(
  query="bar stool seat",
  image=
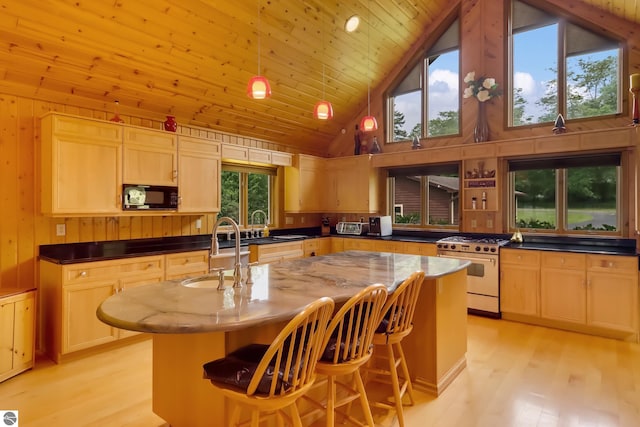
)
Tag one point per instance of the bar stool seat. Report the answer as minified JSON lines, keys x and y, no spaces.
{"x":270,"y":378}
{"x":347,"y":346}
{"x":397,"y":323}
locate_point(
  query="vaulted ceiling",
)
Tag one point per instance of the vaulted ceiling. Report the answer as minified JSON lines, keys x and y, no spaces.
{"x":193,"y":58}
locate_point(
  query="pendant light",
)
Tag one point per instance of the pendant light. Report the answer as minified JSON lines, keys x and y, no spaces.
{"x":368,"y":122}
{"x":258,"y":87}
{"x":323,"y":110}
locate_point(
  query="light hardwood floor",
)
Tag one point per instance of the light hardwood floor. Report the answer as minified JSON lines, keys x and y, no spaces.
{"x":517,"y":375}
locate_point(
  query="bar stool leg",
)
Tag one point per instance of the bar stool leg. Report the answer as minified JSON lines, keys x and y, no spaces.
{"x":364,"y":402}
{"x":395,"y":384}
{"x":331,"y":400}
{"x":405,"y":372}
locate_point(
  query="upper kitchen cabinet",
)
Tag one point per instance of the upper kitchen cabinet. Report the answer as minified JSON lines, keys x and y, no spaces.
{"x":353,"y":185}
{"x":81,"y":169}
{"x":150,"y":157}
{"x":305,"y":184}
{"x":249,"y":155}
{"x":198,"y":175}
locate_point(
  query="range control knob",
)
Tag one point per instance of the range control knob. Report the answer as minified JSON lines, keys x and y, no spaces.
{"x":486,"y":249}
{"x":478,"y":248}
{"x":493,"y":249}
{"x":453,"y":247}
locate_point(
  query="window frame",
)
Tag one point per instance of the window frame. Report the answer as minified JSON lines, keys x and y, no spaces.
{"x":243,"y":207}
{"x":423,"y":172}
{"x":562,"y":83}
{"x":442,"y":44}
{"x":561,"y":198}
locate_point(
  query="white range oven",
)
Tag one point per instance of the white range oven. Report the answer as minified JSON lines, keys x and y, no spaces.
{"x":483,"y":275}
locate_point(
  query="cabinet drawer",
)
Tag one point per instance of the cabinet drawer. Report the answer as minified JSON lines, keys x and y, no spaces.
{"x":564,"y":260}
{"x":519,"y":256}
{"x":89,"y":271}
{"x":191,"y":263}
{"x":424,"y":249}
{"x":613,"y":263}
{"x":385,"y":246}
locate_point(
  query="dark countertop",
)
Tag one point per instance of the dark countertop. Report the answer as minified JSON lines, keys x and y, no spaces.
{"x":579,"y":245}
{"x":71,"y":253}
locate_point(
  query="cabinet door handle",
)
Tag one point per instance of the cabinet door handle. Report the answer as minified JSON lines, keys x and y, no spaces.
{"x":83,"y":274}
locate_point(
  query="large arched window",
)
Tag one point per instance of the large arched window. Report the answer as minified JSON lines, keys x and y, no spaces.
{"x":560,"y":67}
{"x":426,"y":102}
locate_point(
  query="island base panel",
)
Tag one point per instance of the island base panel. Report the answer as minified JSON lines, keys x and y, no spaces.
{"x":181,"y":396}
{"x":436,"y":348}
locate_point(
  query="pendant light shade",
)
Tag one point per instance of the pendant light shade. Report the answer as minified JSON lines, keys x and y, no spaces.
{"x":368,"y":124}
{"x":323,"y":110}
{"x":259,"y":88}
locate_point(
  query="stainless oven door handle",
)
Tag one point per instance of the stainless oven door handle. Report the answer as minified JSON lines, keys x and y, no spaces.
{"x":492,"y":261}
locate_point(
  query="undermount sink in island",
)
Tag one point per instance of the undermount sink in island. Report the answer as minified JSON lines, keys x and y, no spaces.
{"x":193,"y":325}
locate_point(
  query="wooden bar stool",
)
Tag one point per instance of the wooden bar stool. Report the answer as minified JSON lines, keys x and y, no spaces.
{"x":396,"y":324}
{"x":270,"y":378}
{"x":347,"y":346}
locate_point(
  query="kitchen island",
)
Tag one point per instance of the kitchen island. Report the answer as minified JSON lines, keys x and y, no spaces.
{"x":194,"y":325}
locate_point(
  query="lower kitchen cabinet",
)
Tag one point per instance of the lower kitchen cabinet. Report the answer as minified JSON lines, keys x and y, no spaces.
{"x":17,"y":333}
{"x":317,"y":247}
{"x":71,"y":294}
{"x":186,"y":264}
{"x":562,"y":287}
{"x":520,"y":282}
{"x":590,"y":293}
{"x":276,"y":252}
{"x":612,"y":292}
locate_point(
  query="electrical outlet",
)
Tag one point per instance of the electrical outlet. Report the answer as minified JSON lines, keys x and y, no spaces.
{"x":198,"y":224}
{"x":301,"y":220}
{"x":489,"y":223}
{"x":288,"y":220}
{"x":474,"y":223}
{"x":61,"y":229}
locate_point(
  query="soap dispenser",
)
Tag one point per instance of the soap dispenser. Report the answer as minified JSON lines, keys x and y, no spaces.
{"x":265,"y":231}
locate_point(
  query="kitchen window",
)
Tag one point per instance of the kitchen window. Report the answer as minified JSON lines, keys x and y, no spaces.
{"x":244,"y":190}
{"x":425,"y":196}
{"x":560,"y":67}
{"x":569,"y":195}
{"x":426,"y":102}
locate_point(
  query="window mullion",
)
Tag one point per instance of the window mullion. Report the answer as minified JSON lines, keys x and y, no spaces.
{"x":561,"y":199}
{"x":562,"y":68}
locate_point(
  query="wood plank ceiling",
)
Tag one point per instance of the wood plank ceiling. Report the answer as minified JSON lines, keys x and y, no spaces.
{"x":193,"y":58}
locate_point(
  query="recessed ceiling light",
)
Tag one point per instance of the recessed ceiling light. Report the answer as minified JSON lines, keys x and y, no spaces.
{"x":352,"y":24}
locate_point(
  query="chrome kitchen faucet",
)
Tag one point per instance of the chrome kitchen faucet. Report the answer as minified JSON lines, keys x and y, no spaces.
{"x":215,"y":248}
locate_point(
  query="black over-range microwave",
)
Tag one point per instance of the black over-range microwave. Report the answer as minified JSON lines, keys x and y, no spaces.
{"x":149,"y":197}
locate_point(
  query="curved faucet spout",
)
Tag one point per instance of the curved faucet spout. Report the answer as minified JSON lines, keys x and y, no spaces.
{"x":215,"y":247}
{"x":264,"y":214}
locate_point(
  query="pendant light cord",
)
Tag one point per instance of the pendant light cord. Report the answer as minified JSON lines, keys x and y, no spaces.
{"x":369,"y":59}
{"x":259,"y":37}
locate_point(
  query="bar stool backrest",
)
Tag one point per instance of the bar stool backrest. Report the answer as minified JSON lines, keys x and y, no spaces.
{"x":290,"y":361}
{"x":400,"y":307}
{"x":350,"y":333}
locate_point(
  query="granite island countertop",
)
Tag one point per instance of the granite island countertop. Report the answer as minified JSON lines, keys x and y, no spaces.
{"x":279,"y":291}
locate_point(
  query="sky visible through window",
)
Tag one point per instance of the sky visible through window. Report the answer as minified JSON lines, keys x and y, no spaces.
{"x":535,"y":65}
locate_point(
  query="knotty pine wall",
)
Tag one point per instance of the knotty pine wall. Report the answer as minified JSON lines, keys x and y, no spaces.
{"x":23,"y":228}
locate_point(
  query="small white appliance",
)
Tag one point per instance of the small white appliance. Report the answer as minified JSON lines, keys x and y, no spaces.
{"x":353,"y":228}
{"x":380,"y":226}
